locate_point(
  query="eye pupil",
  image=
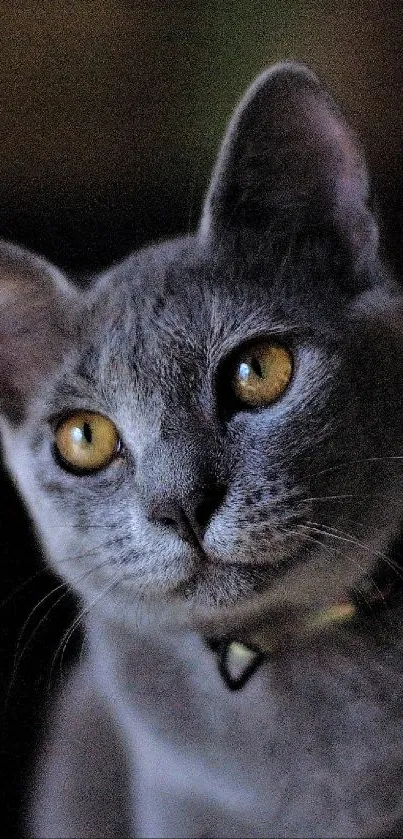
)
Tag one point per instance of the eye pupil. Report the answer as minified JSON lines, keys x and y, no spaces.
{"x":256,"y":367}
{"x":87,"y":432}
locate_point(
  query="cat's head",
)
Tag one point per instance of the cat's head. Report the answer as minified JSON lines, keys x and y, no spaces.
{"x":216,"y":422}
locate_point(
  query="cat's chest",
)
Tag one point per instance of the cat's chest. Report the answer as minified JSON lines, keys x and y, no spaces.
{"x":314,"y":734}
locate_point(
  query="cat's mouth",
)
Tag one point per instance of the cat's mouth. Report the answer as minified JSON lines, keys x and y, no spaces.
{"x":267,"y":566}
{"x":222,"y":581}
{"x":300,"y":580}
{"x":273,"y":562}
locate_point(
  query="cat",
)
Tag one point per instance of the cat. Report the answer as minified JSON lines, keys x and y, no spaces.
{"x":209,"y":440}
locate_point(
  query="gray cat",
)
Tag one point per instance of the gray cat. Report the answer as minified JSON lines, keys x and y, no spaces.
{"x":210,"y":443}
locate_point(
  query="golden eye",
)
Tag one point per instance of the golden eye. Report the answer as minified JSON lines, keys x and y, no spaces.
{"x":86,"y":441}
{"x":262,"y":373}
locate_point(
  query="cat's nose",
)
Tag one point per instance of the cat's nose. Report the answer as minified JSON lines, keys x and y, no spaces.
{"x":189,"y":518}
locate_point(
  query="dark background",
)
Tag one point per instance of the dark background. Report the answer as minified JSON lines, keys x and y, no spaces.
{"x":110,"y":117}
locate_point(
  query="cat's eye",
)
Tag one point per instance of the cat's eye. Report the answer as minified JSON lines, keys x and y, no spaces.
{"x":86,"y":441}
{"x":261,"y":374}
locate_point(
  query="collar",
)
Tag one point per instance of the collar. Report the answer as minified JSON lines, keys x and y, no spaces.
{"x":239,"y":658}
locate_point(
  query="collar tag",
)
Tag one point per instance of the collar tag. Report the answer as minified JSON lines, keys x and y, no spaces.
{"x":237,"y":663}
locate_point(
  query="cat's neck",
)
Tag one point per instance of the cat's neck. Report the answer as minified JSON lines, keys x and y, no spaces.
{"x":372,"y":618}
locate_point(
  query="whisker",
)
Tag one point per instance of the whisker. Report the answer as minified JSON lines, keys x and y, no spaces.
{"x":21,"y":586}
{"x":316,"y":527}
{"x":101,"y":546}
{"x":350,"y":541}
{"x":72,"y":558}
{"x":19,"y":653}
{"x":334,"y":497}
{"x":349,"y":537}
{"x":347,"y":463}
{"x":61,"y":648}
{"x":329,"y":549}
{"x":303,"y":536}
{"x":353,"y":559}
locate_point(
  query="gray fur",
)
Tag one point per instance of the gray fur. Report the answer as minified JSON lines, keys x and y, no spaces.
{"x":295,"y":505}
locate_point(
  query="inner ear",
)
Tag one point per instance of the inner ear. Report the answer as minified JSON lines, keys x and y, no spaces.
{"x":38,"y":314}
{"x":289,"y":162}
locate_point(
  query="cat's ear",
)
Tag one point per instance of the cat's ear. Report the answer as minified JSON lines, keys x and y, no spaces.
{"x":38,"y":309}
{"x":290,"y":163}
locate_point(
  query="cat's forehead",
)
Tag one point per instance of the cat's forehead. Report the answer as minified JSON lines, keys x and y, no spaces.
{"x":165,"y":327}
{"x":183,"y":298}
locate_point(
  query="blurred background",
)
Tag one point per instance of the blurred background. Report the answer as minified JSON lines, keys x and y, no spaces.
{"x":110,"y":117}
